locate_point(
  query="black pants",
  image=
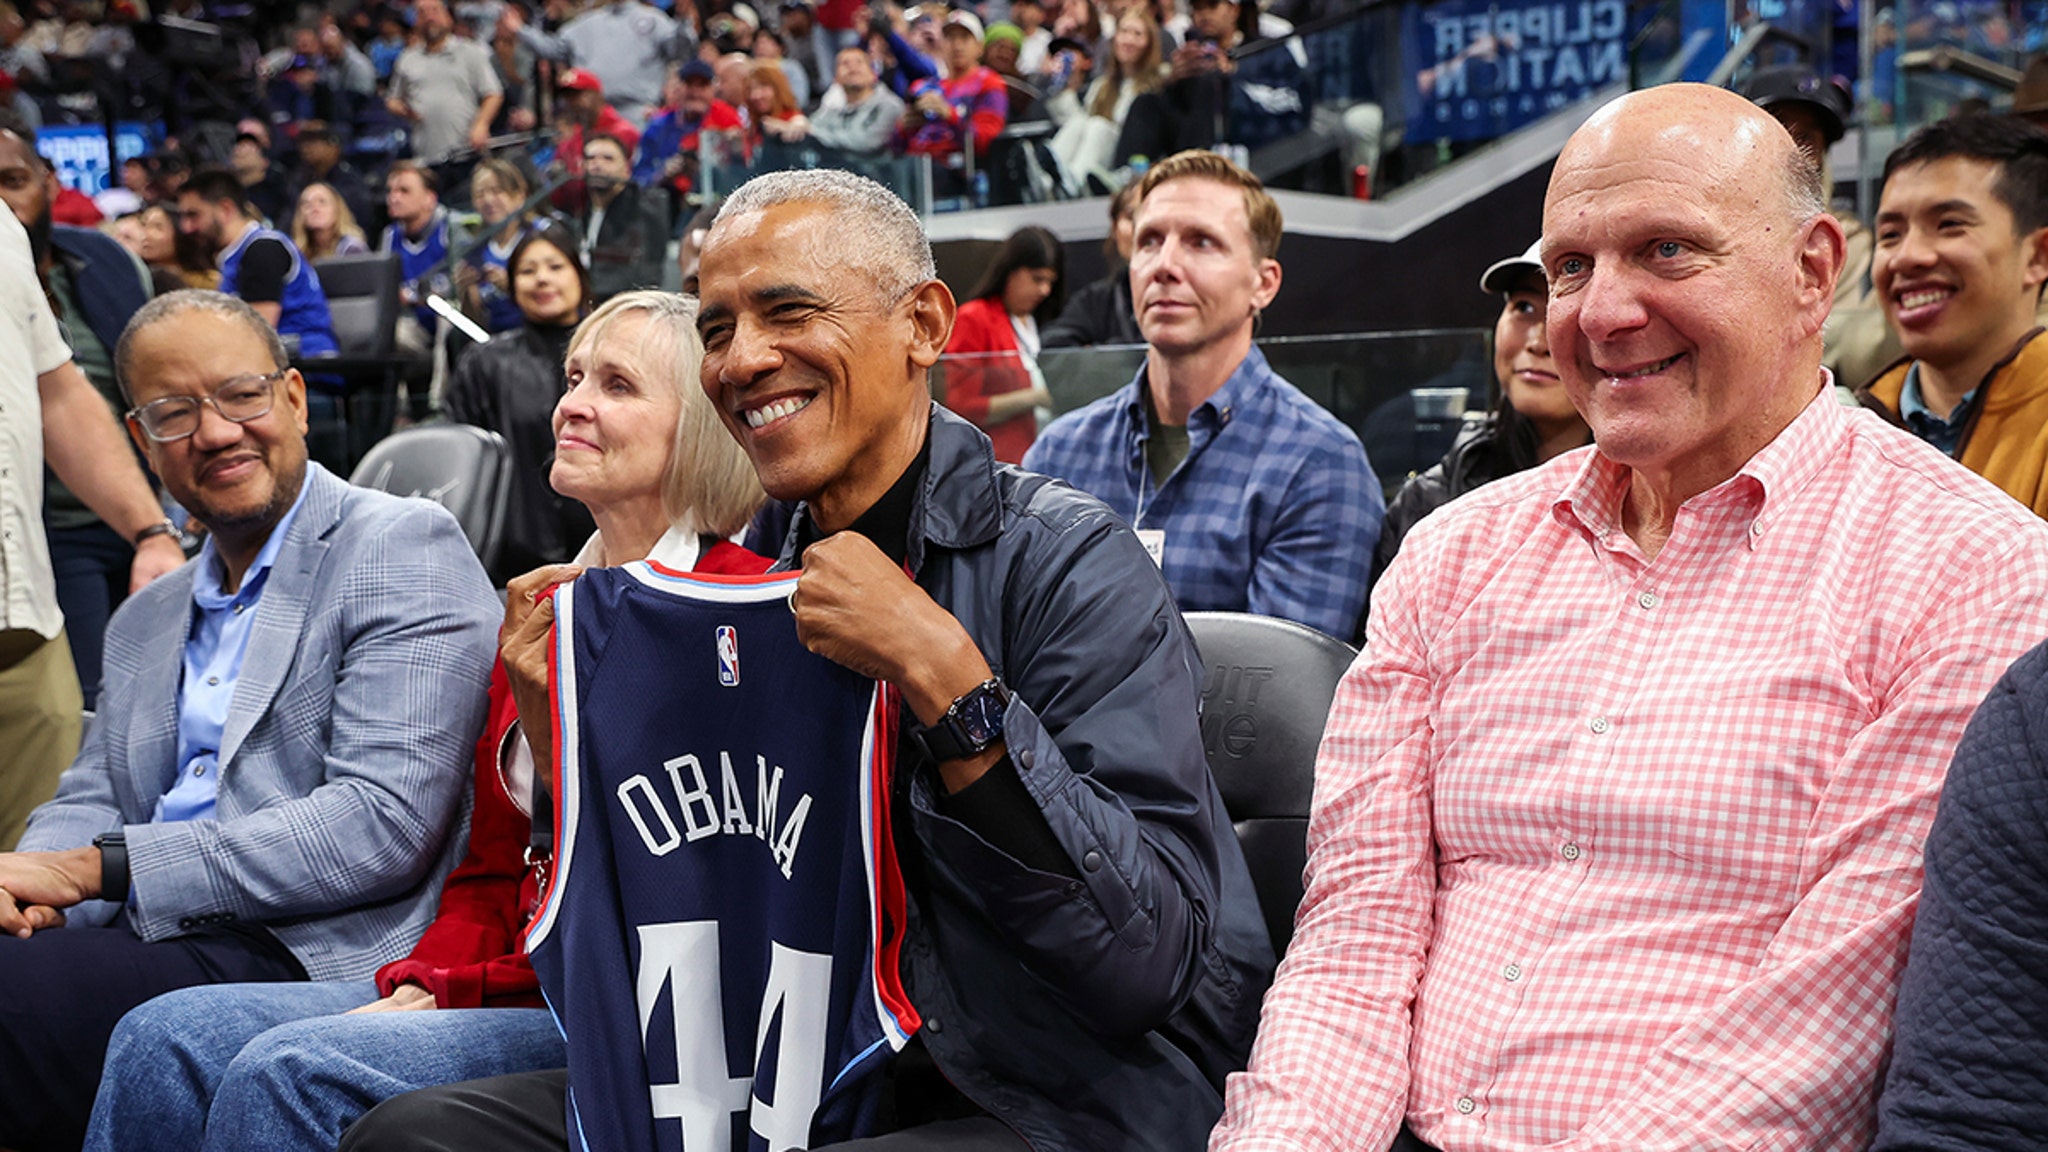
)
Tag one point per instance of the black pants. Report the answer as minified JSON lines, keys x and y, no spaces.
{"x":526,"y":1112}
{"x":91,"y":565}
{"x":62,"y":991}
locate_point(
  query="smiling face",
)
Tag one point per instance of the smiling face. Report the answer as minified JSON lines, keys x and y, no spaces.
{"x":1953,"y":273}
{"x":615,"y":425}
{"x":1686,"y":298}
{"x":1133,"y":38}
{"x":1522,"y":362}
{"x":1196,"y":275}
{"x":494,"y":201}
{"x":545,"y":285}
{"x":819,"y":377}
{"x":237,"y":479}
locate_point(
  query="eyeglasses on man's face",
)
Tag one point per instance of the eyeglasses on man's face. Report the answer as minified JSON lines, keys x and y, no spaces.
{"x":239,"y":399}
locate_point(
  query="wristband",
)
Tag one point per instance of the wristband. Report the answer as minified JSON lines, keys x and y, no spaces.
{"x":113,"y":848}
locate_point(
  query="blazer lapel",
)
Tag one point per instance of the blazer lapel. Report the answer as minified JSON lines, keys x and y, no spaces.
{"x":281,"y":612}
{"x":153,"y":727}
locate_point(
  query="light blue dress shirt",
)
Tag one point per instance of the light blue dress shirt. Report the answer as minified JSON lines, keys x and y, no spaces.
{"x":1944,"y":432}
{"x":221,"y":623}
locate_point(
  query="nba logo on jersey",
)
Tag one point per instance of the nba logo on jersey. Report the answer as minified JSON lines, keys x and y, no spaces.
{"x":728,"y":656}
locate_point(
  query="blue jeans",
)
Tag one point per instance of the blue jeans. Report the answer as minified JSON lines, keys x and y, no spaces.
{"x":275,"y":1067}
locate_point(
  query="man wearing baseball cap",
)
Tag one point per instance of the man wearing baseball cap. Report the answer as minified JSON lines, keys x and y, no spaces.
{"x":581,"y":108}
{"x":970,"y":104}
{"x":668,"y":150}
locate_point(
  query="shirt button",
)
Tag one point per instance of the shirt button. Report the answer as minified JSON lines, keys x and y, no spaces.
{"x":239,"y":607}
{"x":1647,"y":600}
{"x":199,"y":769}
{"x":1756,"y":528}
{"x":1511,"y":973}
{"x":213,"y":681}
{"x":1599,"y":725}
{"x":1465,"y":1105}
{"x":1569,"y":852}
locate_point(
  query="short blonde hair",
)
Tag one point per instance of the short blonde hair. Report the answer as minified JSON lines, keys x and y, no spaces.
{"x":1201,"y":164}
{"x":710,"y":483}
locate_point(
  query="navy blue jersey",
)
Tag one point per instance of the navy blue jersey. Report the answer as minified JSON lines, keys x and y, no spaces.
{"x":718,"y":938}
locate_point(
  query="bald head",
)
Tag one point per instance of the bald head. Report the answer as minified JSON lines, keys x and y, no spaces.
{"x":1721,"y":135}
{"x":1691,"y":265}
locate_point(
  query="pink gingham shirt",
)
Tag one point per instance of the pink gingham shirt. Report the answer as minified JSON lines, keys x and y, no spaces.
{"x":1612,"y":854}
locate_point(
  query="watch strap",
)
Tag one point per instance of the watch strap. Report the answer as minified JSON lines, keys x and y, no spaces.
{"x":160,"y":528}
{"x":113,"y":848}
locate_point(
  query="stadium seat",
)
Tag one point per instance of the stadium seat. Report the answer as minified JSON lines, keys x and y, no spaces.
{"x":363,"y":301}
{"x":465,"y":469}
{"x":1265,"y":697}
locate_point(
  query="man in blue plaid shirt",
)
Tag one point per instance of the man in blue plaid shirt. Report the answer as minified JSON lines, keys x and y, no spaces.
{"x":1250,"y":496}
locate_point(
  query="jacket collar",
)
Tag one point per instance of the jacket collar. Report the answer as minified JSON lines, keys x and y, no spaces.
{"x":959,"y":505}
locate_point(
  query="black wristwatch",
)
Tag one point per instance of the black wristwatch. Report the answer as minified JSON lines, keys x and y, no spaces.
{"x":974,"y":722}
{"x":113,"y":848}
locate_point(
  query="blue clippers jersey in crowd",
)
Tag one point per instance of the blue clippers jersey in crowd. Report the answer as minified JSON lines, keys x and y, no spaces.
{"x":417,"y":258}
{"x":500,"y":313}
{"x":302,"y":310}
{"x":724,"y":879}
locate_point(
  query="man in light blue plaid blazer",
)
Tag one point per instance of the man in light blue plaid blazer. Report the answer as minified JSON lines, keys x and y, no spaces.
{"x":276,"y":782}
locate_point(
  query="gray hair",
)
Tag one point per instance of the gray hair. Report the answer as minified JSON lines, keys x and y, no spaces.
{"x":882,"y":235}
{"x":709,"y":483}
{"x":171,"y":305}
{"x":1806,"y":194}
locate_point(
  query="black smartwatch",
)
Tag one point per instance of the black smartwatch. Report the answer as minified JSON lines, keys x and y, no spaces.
{"x":974,"y":722}
{"x":113,"y":848}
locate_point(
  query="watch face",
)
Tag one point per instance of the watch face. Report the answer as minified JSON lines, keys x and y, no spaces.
{"x":981,"y":714}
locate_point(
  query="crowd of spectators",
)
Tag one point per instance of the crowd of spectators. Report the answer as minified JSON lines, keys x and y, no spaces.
{"x":1635,"y":766}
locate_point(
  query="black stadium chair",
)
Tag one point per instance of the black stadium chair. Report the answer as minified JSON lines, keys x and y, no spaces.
{"x":1264,"y":701}
{"x":465,"y":469}
{"x":363,"y":301}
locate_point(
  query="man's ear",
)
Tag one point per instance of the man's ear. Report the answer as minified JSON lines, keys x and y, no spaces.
{"x":1269,"y":284}
{"x":2034,"y":256}
{"x":931,"y":322}
{"x":1822,"y":253}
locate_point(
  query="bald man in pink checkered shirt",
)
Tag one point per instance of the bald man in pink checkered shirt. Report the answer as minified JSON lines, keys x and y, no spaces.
{"x":1617,"y":828}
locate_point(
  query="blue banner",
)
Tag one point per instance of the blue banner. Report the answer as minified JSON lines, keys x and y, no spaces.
{"x":1478,"y":69}
{"x":79,"y":151}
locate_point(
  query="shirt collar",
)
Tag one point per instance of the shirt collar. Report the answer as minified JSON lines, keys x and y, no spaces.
{"x":1222,"y":406}
{"x":1592,"y":495}
{"x":1913,"y":407}
{"x":207,"y":592}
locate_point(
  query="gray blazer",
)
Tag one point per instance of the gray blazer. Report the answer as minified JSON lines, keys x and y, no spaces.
{"x":345,"y":762}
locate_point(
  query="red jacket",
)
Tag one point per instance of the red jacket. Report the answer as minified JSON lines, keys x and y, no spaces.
{"x":609,"y":123}
{"x":472,"y":955}
{"x":983,"y":326}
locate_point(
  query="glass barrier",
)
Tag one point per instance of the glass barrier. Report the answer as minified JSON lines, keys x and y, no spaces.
{"x":2000,"y":35}
{"x":1404,"y":393}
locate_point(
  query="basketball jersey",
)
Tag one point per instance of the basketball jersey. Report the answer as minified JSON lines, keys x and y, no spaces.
{"x":501,"y":313}
{"x":718,"y":939}
{"x":418,"y":261}
{"x":302,"y":309}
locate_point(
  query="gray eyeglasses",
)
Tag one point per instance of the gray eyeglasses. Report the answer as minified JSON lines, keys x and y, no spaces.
{"x":240,"y":399}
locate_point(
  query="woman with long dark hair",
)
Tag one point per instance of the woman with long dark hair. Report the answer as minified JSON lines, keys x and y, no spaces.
{"x":992,"y":375}
{"x":510,"y":386}
{"x":1532,"y":421}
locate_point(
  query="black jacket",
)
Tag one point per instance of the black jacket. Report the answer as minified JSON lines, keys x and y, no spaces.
{"x":1101,"y":1008}
{"x":1478,"y":457}
{"x":510,"y":386}
{"x":631,"y":242}
{"x":1101,"y":313}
